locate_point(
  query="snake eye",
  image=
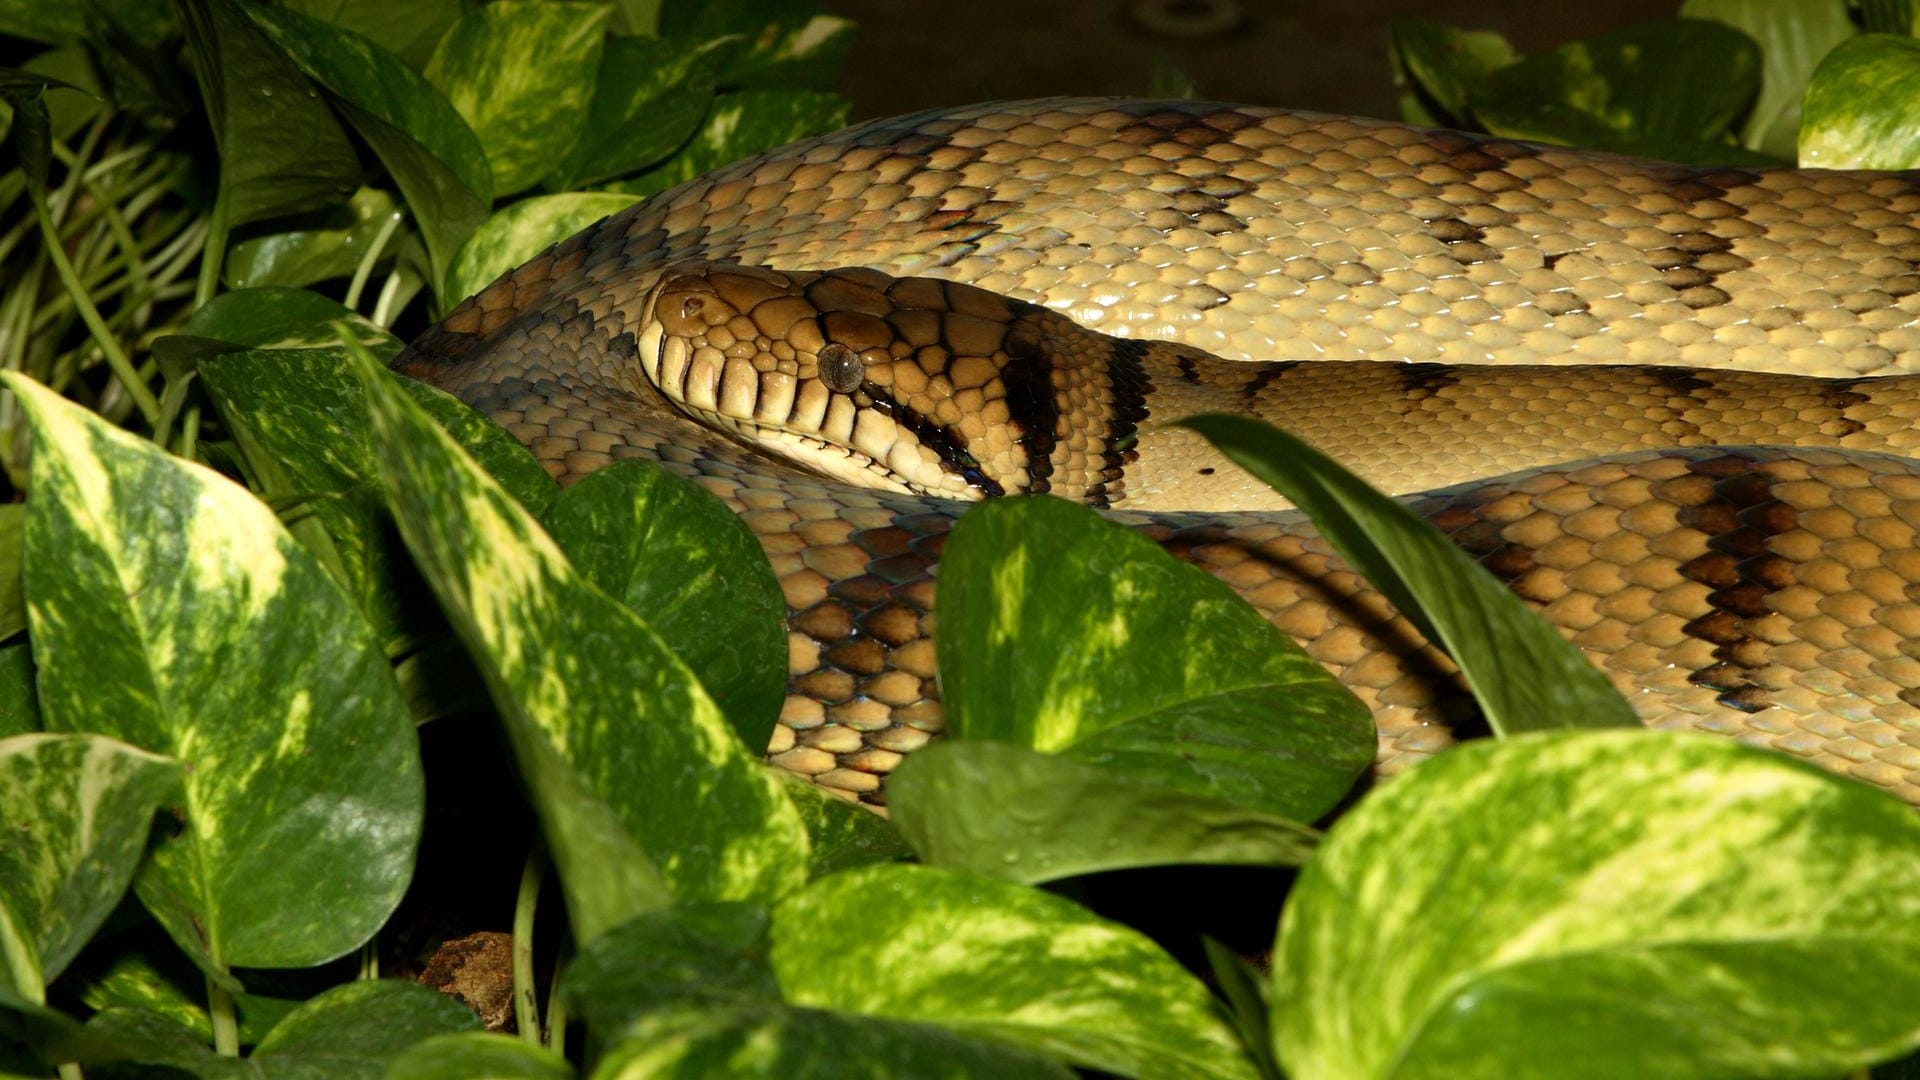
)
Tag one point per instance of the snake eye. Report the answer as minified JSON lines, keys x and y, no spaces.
{"x":841,"y":368}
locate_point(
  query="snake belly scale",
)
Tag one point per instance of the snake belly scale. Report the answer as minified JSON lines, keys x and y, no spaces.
{"x":851,"y":337}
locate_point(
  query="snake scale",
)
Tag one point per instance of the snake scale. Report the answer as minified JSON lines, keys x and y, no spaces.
{"x":849,"y":338}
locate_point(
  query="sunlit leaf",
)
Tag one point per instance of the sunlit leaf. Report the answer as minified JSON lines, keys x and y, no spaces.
{"x":689,"y":566}
{"x":1000,"y":961}
{"x":170,"y":610}
{"x":78,"y":809}
{"x":1437,"y":66}
{"x":1524,"y":675}
{"x":740,"y":124}
{"x":607,"y":724}
{"x":651,"y":96}
{"x":299,"y":418}
{"x":1068,"y":634}
{"x":1793,"y":35}
{"x":1665,"y":89}
{"x":522,"y":231}
{"x":1859,"y":111}
{"x":1013,"y":813}
{"x":522,"y":74}
{"x":1604,"y":904}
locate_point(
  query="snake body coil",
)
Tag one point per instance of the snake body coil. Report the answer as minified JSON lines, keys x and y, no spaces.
{"x":849,"y":337}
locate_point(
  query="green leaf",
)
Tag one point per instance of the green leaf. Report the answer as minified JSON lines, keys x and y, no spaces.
{"x":1605,"y":904}
{"x":434,"y":157}
{"x":169,"y":609}
{"x":1437,"y":67}
{"x":589,"y":693}
{"x":408,"y":30}
{"x":75,"y":97}
{"x":477,"y":1055}
{"x":275,"y":317}
{"x":55,"y":21}
{"x":1523,"y":673}
{"x":522,"y":231}
{"x":13,"y":605}
{"x":299,"y":418}
{"x":1012,"y":813}
{"x":743,"y":123}
{"x":1670,"y":89}
{"x":1859,"y":111}
{"x":840,"y":834}
{"x":650,"y":97}
{"x":137,"y":1036}
{"x":326,"y":244}
{"x":687,"y":564}
{"x":780,"y":1043}
{"x":30,"y":133}
{"x":999,"y":961}
{"x":1885,"y":16}
{"x":281,"y":150}
{"x":34,"y":1039}
{"x":778,"y":42}
{"x":1793,"y":35}
{"x":689,"y":992}
{"x":1244,"y":987}
{"x":1066,"y":633}
{"x":522,"y":74}
{"x":78,"y":808}
{"x":692,"y":953}
{"x":19,"y":705}
{"x":353,"y":1030}
{"x":148,"y":973}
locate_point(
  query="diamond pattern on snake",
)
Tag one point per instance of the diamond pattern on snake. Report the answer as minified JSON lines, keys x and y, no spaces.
{"x":1673,"y":408}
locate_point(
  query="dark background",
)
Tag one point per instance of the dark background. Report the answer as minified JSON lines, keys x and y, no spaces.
{"x":1327,"y":55}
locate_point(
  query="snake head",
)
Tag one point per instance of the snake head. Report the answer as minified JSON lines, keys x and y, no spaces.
{"x":904,"y":384}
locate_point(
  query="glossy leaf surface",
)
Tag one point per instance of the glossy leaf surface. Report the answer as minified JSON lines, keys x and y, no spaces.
{"x":170,"y":610}
{"x":688,"y":565}
{"x":1000,"y":961}
{"x":1525,"y":676}
{"x":78,"y":809}
{"x":594,"y":702}
{"x":1553,"y":905}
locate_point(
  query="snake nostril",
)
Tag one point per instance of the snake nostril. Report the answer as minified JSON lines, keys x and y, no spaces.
{"x":691,"y":306}
{"x":841,"y":368}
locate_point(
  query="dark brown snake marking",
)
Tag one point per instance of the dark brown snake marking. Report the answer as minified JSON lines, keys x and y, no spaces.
{"x":1765,"y":593}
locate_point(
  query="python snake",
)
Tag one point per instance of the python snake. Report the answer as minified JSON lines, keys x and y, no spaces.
{"x":849,"y":338}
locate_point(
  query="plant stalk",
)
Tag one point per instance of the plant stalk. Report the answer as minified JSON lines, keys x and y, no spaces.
{"x":136,"y":390}
{"x":526,"y":1006}
{"x":226,"y":1025}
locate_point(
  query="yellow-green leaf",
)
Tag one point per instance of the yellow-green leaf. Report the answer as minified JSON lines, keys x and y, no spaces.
{"x":614,"y":731}
{"x":170,"y":609}
{"x":1604,"y":904}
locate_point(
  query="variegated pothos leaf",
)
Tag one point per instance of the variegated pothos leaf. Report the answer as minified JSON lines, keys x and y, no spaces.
{"x":169,"y":609}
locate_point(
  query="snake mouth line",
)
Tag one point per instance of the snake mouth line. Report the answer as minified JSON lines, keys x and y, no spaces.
{"x":836,"y":458}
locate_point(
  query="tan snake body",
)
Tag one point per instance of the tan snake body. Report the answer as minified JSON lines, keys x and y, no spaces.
{"x":1770,"y":593}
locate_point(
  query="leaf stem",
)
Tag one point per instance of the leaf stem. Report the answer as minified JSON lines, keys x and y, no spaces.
{"x":365,"y":269}
{"x":383,"y":307}
{"x":226,"y":1027}
{"x":556,"y":1016}
{"x":214,"y":252}
{"x":526,"y":1006}
{"x":136,"y":390}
